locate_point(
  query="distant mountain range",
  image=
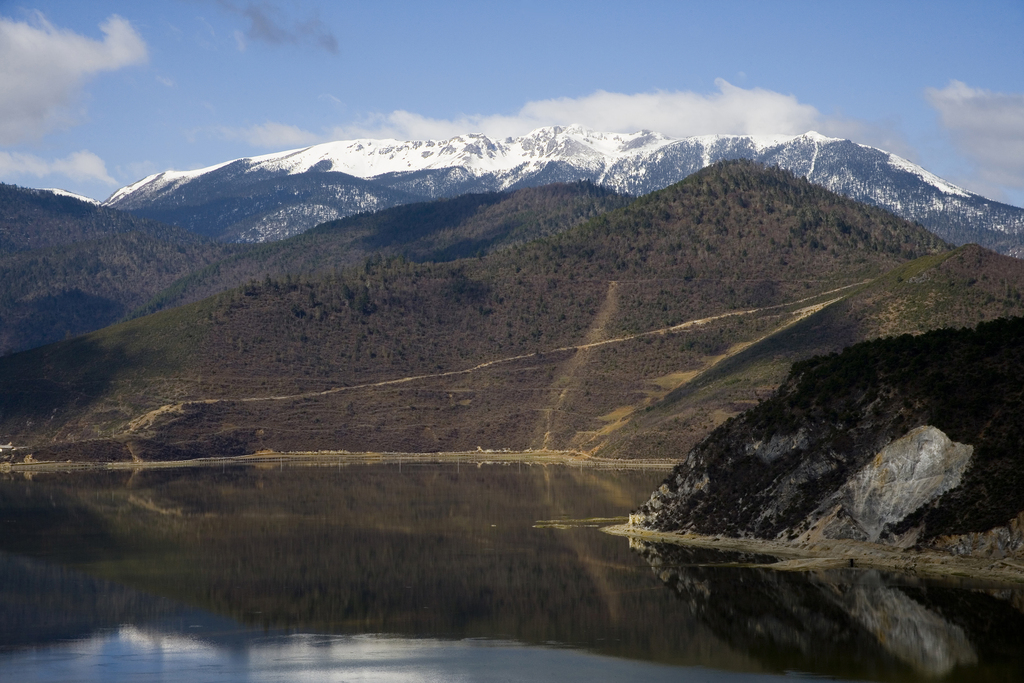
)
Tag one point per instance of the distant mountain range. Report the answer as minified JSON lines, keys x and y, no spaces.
{"x":277,"y":195}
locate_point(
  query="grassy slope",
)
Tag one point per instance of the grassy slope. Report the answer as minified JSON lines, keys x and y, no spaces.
{"x":953,"y":289}
{"x":732,"y":238}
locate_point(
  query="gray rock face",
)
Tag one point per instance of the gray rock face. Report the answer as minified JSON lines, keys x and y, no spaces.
{"x":858,"y":447}
{"x":860,"y":499}
{"x":997,"y":543}
{"x":905,"y":475}
{"x":773,"y":449}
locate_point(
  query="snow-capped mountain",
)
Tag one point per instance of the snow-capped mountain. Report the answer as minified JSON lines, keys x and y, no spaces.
{"x":276,"y":195}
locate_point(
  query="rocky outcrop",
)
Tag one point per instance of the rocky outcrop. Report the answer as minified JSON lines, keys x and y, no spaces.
{"x":903,"y":477}
{"x":998,"y":542}
{"x":906,"y":441}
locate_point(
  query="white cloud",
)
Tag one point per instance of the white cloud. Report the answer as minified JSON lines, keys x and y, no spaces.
{"x":730,"y":109}
{"x":327,"y":97}
{"x":678,"y":114}
{"x":82,"y":166}
{"x":988,"y":128}
{"x":42,"y":69}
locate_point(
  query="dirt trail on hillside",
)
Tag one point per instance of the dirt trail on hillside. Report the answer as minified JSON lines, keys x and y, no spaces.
{"x":592,"y":340}
{"x":569,"y":377}
{"x":624,"y":413}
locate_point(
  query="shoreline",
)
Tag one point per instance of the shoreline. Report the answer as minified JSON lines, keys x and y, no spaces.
{"x":838,"y":554}
{"x":271,"y":459}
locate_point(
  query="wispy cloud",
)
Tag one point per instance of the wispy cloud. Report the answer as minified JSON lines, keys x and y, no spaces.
{"x":42,"y":69}
{"x":268,"y":23}
{"x":988,"y":128}
{"x":276,"y":136}
{"x":83,"y":166}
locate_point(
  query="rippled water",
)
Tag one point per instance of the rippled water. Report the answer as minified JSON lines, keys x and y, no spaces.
{"x":439,"y":573}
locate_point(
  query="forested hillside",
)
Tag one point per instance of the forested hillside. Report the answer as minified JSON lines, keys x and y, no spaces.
{"x":441,"y":230}
{"x":33,"y":219}
{"x":69,"y":267}
{"x":570,"y":341}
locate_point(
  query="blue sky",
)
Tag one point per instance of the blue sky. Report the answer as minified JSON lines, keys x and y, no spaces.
{"x":95,"y":95}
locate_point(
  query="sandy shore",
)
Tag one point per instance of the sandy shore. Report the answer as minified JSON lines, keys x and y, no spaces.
{"x":837,"y":554}
{"x":268,"y":459}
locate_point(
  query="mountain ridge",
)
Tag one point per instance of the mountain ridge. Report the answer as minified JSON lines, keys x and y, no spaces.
{"x":70,"y":266}
{"x":439,"y":230}
{"x":558,"y":343}
{"x":346,"y":177}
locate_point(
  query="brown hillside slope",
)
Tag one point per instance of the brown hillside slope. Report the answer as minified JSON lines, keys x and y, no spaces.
{"x":954,"y":289}
{"x":560,"y":343}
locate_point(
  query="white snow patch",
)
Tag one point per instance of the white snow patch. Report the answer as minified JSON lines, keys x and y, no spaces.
{"x":73,"y":195}
{"x":478,"y":154}
{"x":930,"y":178}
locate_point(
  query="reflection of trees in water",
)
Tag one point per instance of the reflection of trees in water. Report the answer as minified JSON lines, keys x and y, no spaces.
{"x":846,"y":622}
{"x":435,"y":551}
{"x":366,"y":550}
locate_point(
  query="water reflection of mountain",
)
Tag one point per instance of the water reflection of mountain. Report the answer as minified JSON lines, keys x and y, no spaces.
{"x":846,"y":621}
{"x":429,"y":551}
{"x":452,"y":553}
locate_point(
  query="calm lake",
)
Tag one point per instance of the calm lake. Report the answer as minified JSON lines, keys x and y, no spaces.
{"x":440,"y":573}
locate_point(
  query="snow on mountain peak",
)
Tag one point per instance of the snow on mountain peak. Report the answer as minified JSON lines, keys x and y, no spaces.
{"x":600,"y":156}
{"x":930,"y":178}
{"x":299,"y":188}
{"x":65,"y":193}
{"x":815,"y":136}
{"x":478,"y":153}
